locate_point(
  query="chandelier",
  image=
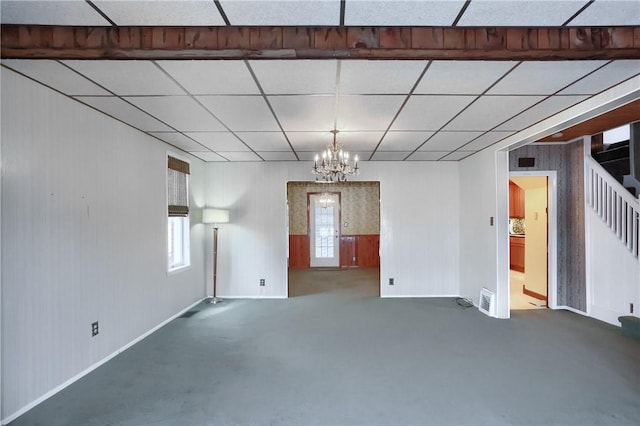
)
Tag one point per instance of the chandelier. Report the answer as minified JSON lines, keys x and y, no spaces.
{"x":333,"y":165}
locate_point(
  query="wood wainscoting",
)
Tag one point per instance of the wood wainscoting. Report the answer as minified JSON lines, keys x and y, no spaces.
{"x":355,"y":251}
{"x":299,"y":256}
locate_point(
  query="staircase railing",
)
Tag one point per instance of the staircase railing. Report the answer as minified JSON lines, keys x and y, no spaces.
{"x":614,"y":204}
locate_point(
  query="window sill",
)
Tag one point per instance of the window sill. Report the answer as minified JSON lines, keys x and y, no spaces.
{"x":178,"y":270}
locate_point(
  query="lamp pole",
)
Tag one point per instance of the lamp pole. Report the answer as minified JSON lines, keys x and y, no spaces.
{"x":215,"y":217}
{"x":215,"y":299}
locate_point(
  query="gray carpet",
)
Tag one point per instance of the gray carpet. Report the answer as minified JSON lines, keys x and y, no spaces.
{"x":338,"y":355}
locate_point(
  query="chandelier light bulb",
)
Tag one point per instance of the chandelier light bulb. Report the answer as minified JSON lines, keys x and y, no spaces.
{"x":335,"y":165}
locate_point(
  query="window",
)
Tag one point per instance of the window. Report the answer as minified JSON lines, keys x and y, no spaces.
{"x":178,"y":255}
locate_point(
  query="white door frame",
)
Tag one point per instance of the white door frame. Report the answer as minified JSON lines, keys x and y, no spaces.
{"x":552,"y":223}
{"x":335,"y":260}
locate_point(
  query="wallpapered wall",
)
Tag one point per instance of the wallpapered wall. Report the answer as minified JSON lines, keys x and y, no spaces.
{"x":568,"y":160}
{"x":360,"y":206}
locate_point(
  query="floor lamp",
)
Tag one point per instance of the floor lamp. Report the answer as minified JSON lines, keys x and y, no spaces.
{"x":215,"y":217}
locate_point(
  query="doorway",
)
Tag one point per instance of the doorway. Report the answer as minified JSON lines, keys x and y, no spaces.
{"x":333,"y":233}
{"x":324,"y":230}
{"x":532,"y":240}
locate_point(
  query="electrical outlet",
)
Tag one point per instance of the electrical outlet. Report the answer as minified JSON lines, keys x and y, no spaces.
{"x":630,"y":308}
{"x":94,"y":329}
{"x":354,"y":258}
{"x":261,"y":282}
{"x":390,"y":281}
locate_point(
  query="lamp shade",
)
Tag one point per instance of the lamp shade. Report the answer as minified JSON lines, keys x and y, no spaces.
{"x":215,"y":216}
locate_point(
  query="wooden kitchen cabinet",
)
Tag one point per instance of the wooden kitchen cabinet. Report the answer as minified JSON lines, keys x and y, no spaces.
{"x":516,"y":200}
{"x":516,"y":257}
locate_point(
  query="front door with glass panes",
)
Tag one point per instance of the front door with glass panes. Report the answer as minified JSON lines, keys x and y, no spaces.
{"x":324,"y":230}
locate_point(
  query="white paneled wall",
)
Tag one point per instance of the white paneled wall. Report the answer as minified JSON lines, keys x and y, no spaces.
{"x":83,"y":239}
{"x":418,"y":234}
{"x":612,"y":271}
{"x":478,"y":257}
{"x":419,"y":230}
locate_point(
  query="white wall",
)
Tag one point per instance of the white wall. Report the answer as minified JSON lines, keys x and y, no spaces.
{"x":83,"y":240}
{"x":612,"y":271}
{"x":418,"y":234}
{"x":479,"y":254}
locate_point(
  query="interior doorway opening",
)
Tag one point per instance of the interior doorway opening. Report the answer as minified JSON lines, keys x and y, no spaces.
{"x":532,"y":240}
{"x":333,"y":228}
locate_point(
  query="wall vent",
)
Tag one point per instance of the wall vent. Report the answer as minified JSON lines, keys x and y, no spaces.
{"x":487,"y":302}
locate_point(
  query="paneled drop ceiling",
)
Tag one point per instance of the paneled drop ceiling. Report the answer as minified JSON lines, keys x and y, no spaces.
{"x":284,"y":110}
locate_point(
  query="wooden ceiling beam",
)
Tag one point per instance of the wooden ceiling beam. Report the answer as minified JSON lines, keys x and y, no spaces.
{"x":477,"y":43}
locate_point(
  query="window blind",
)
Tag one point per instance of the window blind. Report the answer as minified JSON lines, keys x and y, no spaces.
{"x":177,"y":187}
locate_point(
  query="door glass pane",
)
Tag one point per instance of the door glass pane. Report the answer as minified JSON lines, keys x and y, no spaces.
{"x":324,"y":231}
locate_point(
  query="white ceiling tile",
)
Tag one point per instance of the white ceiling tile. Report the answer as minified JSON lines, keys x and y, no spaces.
{"x":403,"y":141}
{"x":306,"y":155}
{"x":241,"y":112}
{"x":291,"y":12}
{"x":304,"y":113}
{"x":359,"y":141}
{"x":401,"y":13}
{"x":181,"y":112}
{"x":427,"y":155}
{"x":208,"y":156}
{"x":485,"y":140}
{"x":212,"y":77}
{"x":240,"y":156}
{"x":310,"y":141}
{"x":543,"y":77}
{"x":457,"y":155}
{"x":296,"y":77}
{"x":55,"y":75}
{"x":609,"y":12}
{"x":519,"y":13}
{"x":379,"y":77}
{"x":543,"y":110}
{"x":367,"y":112}
{"x":179,"y":140}
{"x":390,"y":155}
{"x":121,"y":110}
{"x":278,"y":155}
{"x":449,"y":141}
{"x":161,"y":12}
{"x":462,"y":77}
{"x":127,"y":78}
{"x":265,"y":141}
{"x":218,"y":141}
{"x":430,"y":112}
{"x":59,"y":12}
{"x":362,"y":155}
{"x":608,"y":76}
{"x":489,"y":111}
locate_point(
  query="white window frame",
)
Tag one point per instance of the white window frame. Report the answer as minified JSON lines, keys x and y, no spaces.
{"x":185,"y":225}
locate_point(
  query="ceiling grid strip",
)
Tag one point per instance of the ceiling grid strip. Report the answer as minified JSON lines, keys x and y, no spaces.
{"x":208,"y":111}
{"x":127,"y":102}
{"x":462,"y":11}
{"x":406,"y":99}
{"x":266,"y":100}
{"x":100,"y":12}
{"x":575,"y":15}
{"x":223,"y":14}
{"x":463,"y":110}
{"x":459,"y":149}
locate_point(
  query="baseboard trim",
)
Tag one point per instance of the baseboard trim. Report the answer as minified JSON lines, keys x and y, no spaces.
{"x":88,"y":370}
{"x":533,"y":294}
{"x":416,"y":296}
{"x":252,"y":297}
{"x":570,"y":309}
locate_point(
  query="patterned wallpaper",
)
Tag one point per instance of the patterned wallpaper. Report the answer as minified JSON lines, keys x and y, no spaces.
{"x":360,"y":206}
